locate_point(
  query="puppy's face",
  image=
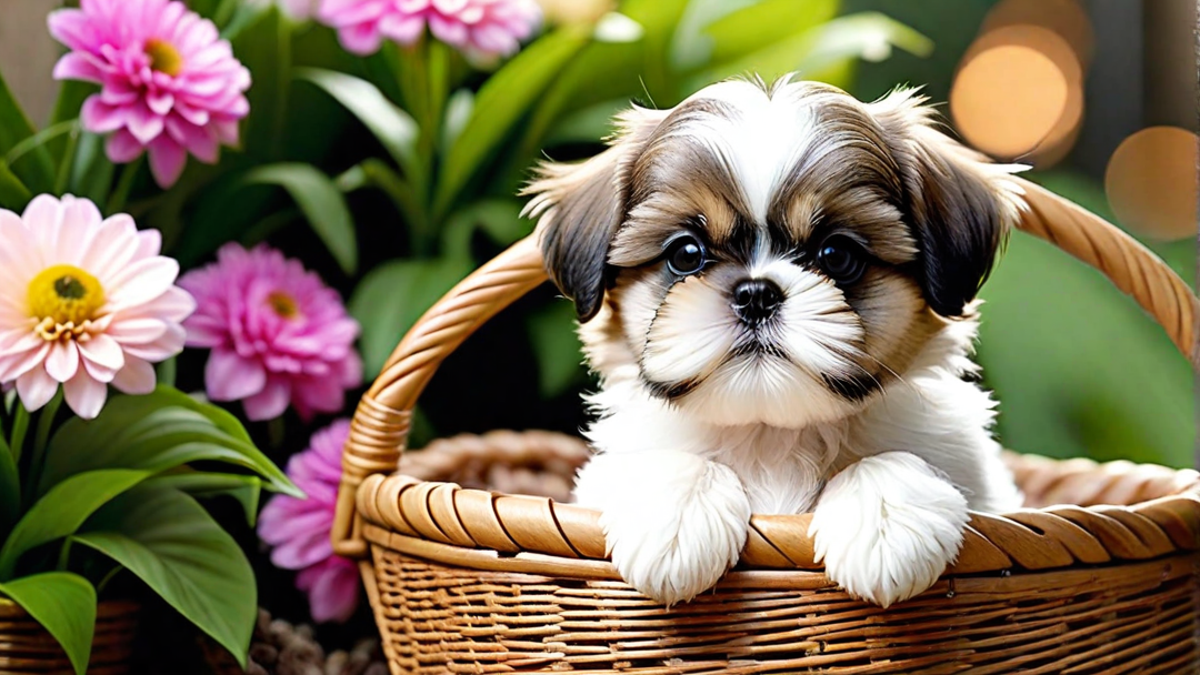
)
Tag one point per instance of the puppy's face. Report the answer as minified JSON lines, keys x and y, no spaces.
{"x":773,"y":255}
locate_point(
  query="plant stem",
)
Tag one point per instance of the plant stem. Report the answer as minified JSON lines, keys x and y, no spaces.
{"x":117,"y":200}
{"x":20,"y":426}
{"x":37,"y":459}
{"x":64,"y":554}
{"x":64,"y":169}
{"x":276,"y":433}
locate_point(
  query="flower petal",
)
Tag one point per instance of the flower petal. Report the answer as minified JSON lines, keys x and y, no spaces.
{"x":270,"y":402}
{"x":142,"y":281}
{"x":104,"y":351}
{"x":167,"y":159}
{"x":63,"y":361}
{"x":229,"y":377}
{"x":122,"y":147}
{"x":36,"y":388}
{"x":85,"y":395}
{"x":137,"y":377}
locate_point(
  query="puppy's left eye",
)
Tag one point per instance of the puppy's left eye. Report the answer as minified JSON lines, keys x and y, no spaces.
{"x":686,"y":256}
{"x":841,"y":259}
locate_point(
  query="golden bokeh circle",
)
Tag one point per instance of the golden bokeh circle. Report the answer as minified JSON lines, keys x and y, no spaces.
{"x":1008,"y":98}
{"x":1151,"y":182}
{"x":1067,"y":18}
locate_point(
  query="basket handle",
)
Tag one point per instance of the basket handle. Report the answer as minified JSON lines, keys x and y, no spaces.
{"x":379,"y":429}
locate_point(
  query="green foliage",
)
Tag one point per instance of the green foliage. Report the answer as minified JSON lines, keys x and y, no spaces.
{"x":1079,"y":369}
{"x":170,"y":542}
{"x":64,"y":604}
{"x":393,"y":296}
{"x":120,"y":484}
{"x":322,"y":203}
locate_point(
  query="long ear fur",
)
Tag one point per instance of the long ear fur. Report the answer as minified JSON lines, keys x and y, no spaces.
{"x":579,"y":208}
{"x":960,"y":206}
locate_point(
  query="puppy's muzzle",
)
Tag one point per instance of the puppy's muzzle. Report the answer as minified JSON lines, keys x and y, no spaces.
{"x":756,"y":300}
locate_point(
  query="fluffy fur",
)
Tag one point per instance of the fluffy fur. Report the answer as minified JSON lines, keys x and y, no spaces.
{"x":775,"y":288}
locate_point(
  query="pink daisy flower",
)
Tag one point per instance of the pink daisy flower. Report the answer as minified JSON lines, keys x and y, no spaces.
{"x":298,"y":529}
{"x":84,"y":301}
{"x":169,"y":86}
{"x":278,"y":335}
{"x":482,"y":29}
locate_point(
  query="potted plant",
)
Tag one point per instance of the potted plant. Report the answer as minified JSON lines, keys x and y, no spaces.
{"x":100,"y":484}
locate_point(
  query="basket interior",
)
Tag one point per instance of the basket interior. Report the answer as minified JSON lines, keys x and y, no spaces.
{"x":544,"y":465}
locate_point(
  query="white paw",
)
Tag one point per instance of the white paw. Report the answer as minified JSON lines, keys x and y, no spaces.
{"x":887,"y":527}
{"x":672,"y":538}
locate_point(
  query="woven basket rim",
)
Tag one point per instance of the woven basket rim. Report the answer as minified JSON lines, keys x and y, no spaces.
{"x":1163,"y":518}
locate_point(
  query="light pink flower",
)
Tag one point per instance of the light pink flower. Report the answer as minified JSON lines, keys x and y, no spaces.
{"x":277,"y":334}
{"x":482,"y":29}
{"x":84,"y":301}
{"x":298,"y":529}
{"x":169,"y":85}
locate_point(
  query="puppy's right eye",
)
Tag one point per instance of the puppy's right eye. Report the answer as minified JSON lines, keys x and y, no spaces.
{"x":686,"y":256}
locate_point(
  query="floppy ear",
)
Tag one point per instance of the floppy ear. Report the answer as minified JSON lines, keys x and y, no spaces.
{"x":959,"y":205}
{"x":579,"y":208}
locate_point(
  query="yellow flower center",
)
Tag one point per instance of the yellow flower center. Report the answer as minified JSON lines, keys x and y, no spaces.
{"x":163,"y":57}
{"x":283,"y":304}
{"x":62,"y":298}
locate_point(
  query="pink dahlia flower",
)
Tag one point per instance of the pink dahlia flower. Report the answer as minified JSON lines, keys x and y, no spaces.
{"x":168,"y":84}
{"x":278,"y":335}
{"x":482,"y":29}
{"x":84,"y":301}
{"x":298,"y":529}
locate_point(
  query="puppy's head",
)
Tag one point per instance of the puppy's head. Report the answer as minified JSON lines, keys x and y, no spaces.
{"x":773,"y":254}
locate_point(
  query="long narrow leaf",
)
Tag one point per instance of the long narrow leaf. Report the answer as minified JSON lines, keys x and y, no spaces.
{"x":13,"y":193}
{"x":245,"y":489}
{"x":63,"y":509}
{"x":65,"y":605}
{"x":396,"y":130}
{"x":322,"y":203}
{"x":504,"y":98}
{"x":10,"y":488}
{"x":37,"y":170}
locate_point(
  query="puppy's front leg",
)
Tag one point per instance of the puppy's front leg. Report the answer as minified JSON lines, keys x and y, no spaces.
{"x":887,"y":526}
{"x":673,"y":522}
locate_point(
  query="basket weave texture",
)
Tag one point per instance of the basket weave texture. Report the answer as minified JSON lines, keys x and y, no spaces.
{"x":474,"y":563}
{"x":26,"y":647}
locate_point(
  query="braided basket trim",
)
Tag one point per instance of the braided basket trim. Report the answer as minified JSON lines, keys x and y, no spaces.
{"x":1164,"y":520}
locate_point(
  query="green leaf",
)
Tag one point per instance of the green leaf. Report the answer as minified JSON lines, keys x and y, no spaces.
{"x":868,"y":35}
{"x":322,"y":203}
{"x":37,"y":170}
{"x":396,"y":130}
{"x":503,"y":99}
{"x":63,"y":509}
{"x":65,"y":605}
{"x":265,"y":48}
{"x":749,"y":29}
{"x":172,"y":544}
{"x":156,"y":432}
{"x":391,"y":298}
{"x":10,"y":488}
{"x":245,"y":489}
{"x":91,"y":172}
{"x":560,"y":361}
{"x":13,"y":193}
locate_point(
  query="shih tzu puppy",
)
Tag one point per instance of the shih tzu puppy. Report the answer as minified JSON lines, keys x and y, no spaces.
{"x":775,"y":285}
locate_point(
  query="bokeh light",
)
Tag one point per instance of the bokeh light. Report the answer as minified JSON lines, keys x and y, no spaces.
{"x":1007,"y":99}
{"x":1001,"y":96}
{"x":1067,"y":18}
{"x":1151,"y":182}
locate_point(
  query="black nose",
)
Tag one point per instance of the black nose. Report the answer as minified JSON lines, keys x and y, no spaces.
{"x":755,"y":300}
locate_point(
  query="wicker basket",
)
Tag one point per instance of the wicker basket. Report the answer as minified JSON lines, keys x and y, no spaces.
{"x":26,"y":647}
{"x":1099,"y":575}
